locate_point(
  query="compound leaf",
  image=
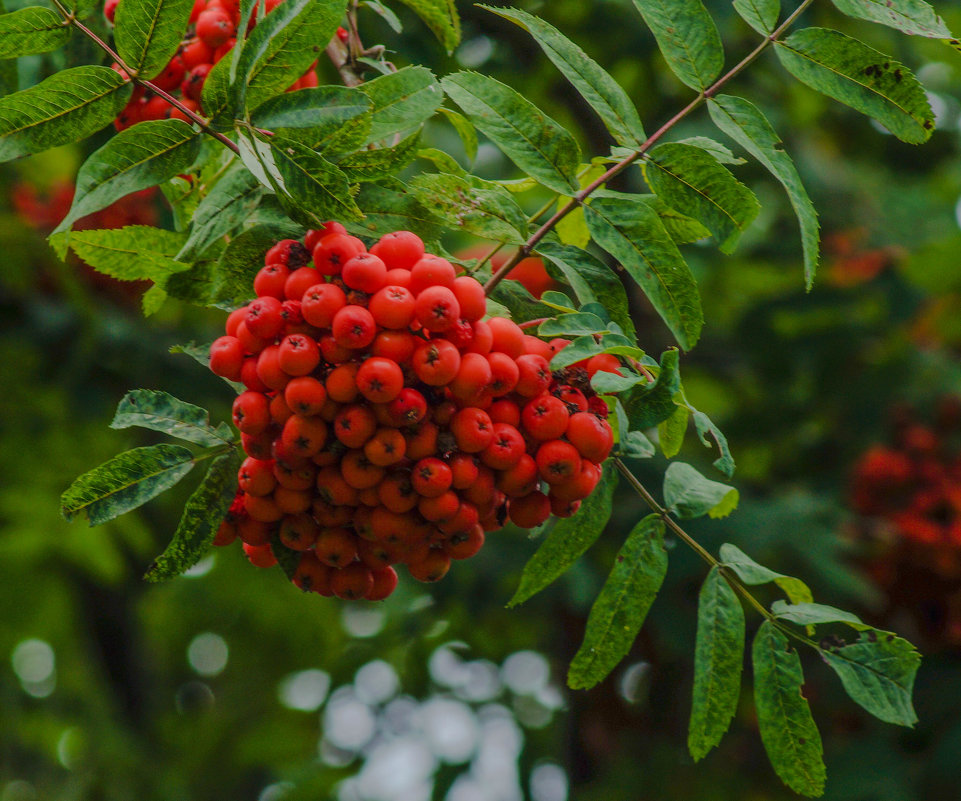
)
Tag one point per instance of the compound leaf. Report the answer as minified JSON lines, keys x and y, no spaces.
{"x":160,"y":411}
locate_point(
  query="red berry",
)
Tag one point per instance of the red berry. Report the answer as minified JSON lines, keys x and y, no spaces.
{"x":473,"y":429}
{"x":436,"y":308}
{"x":353,"y":327}
{"x":431,"y":271}
{"x":270,"y":281}
{"x":365,"y":272}
{"x":591,"y":436}
{"x":399,"y":249}
{"x":335,"y":250}
{"x":558,"y":461}
{"x":392,"y":307}
{"x":298,"y":355}
{"x":470,"y":295}
{"x":380,"y":380}
{"x":227,"y":357}
{"x":215,"y":27}
{"x":530,"y":511}
{"x":436,"y":362}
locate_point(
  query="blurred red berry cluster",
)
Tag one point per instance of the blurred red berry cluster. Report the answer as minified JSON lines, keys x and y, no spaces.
{"x":908,"y":493}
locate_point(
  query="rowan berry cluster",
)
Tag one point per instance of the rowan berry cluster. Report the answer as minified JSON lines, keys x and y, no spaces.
{"x":386,"y":422}
{"x":211,"y":36}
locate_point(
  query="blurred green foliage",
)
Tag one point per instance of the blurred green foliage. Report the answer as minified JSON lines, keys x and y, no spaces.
{"x":800,"y":382}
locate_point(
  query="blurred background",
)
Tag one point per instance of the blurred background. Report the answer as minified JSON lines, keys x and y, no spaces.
{"x":842,"y":410}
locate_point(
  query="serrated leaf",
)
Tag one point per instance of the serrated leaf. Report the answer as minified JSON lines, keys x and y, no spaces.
{"x":568,"y":539}
{"x":634,"y":235}
{"x":619,"y":611}
{"x":310,"y":188}
{"x":382,"y":162}
{"x":635,"y":445}
{"x":694,"y":183}
{"x":687,"y":38}
{"x":66,"y":107}
{"x":519,"y":302}
{"x":132,"y":253}
{"x":223,"y":210}
{"x":762,"y":15}
{"x":788,"y":731}
{"x":861,"y":77}
{"x":526,"y":135}
{"x":810,"y":614}
{"x":572,"y":324}
{"x":32,"y":30}
{"x":913,"y":17}
{"x":591,"y":280}
{"x":138,"y":157}
{"x":455,"y":202}
{"x":878,"y":673}
{"x":750,"y":572}
{"x":648,"y":406}
{"x":718,"y":661}
{"x":215,"y":95}
{"x":153,"y":299}
{"x":391,"y":206}
{"x":572,"y":228}
{"x":125,"y":482}
{"x":595,"y":85}
{"x":441,"y":17}
{"x":202,"y":515}
{"x":745,"y":124}
{"x":160,"y":411}
{"x":465,"y":130}
{"x":148,"y":32}
{"x":720,"y":152}
{"x":283,"y":44}
{"x":402,"y":101}
{"x":688,"y":494}
{"x":317,"y":117}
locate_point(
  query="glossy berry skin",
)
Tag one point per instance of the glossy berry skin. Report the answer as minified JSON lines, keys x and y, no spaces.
{"x":591,"y":436}
{"x":215,"y":27}
{"x":227,"y":357}
{"x":380,"y":380}
{"x":399,"y":249}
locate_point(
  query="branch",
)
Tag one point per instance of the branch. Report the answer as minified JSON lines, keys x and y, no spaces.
{"x":525,"y":250}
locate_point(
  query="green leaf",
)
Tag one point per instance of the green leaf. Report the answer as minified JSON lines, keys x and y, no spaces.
{"x":142,"y":156}
{"x":391,"y":206}
{"x":388,"y":16}
{"x":687,"y":38}
{"x":215,"y":96}
{"x":750,"y":572}
{"x":634,"y":235}
{"x":527,"y":136}
{"x":788,"y":731}
{"x":694,"y":183}
{"x":224,"y":209}
{"x":132,"y":253}
{"x":688,"y":494}
{"x":809,"y":614}
{"x":599,"y":89}
{"x":148,"y":32}
{"x":672,"y":430}
{"x":310,"y":188}
{"x":401,"y":101}
{"x":281,"y":48}
{"x":705,"y":428}
{"x":568,"y":539}
{"x":745,"y":124}
{"x":444,"y":162}
{"x":718,"y":661}
{"x":573,"y":324}
{"x":202,"y":515}
{"x":316,"y":117}
{"x":32,"y":30}
{"x":648,"y":406}
{"x":382,"y":162}
{"x":66,"y":107}
{"x":861,"y":77}
{"x":125,"y":482}
{"x":762,"y":15}
{"x":160,"y":411}
{"x":591,"y":279}
{"x":720,"y":152}
{"x":521,"y":304}
{"x":878,"y":673}
{"x":913,"y":17}
{"x":605,"y":383}
{"x":457,"y":204}
{"x":441,"y":17}
{"x":619,"y":611}
{"x":465,"y":130}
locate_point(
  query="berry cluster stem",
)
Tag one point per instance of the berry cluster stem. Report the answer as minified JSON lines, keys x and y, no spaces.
{"x":579,"y":197}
